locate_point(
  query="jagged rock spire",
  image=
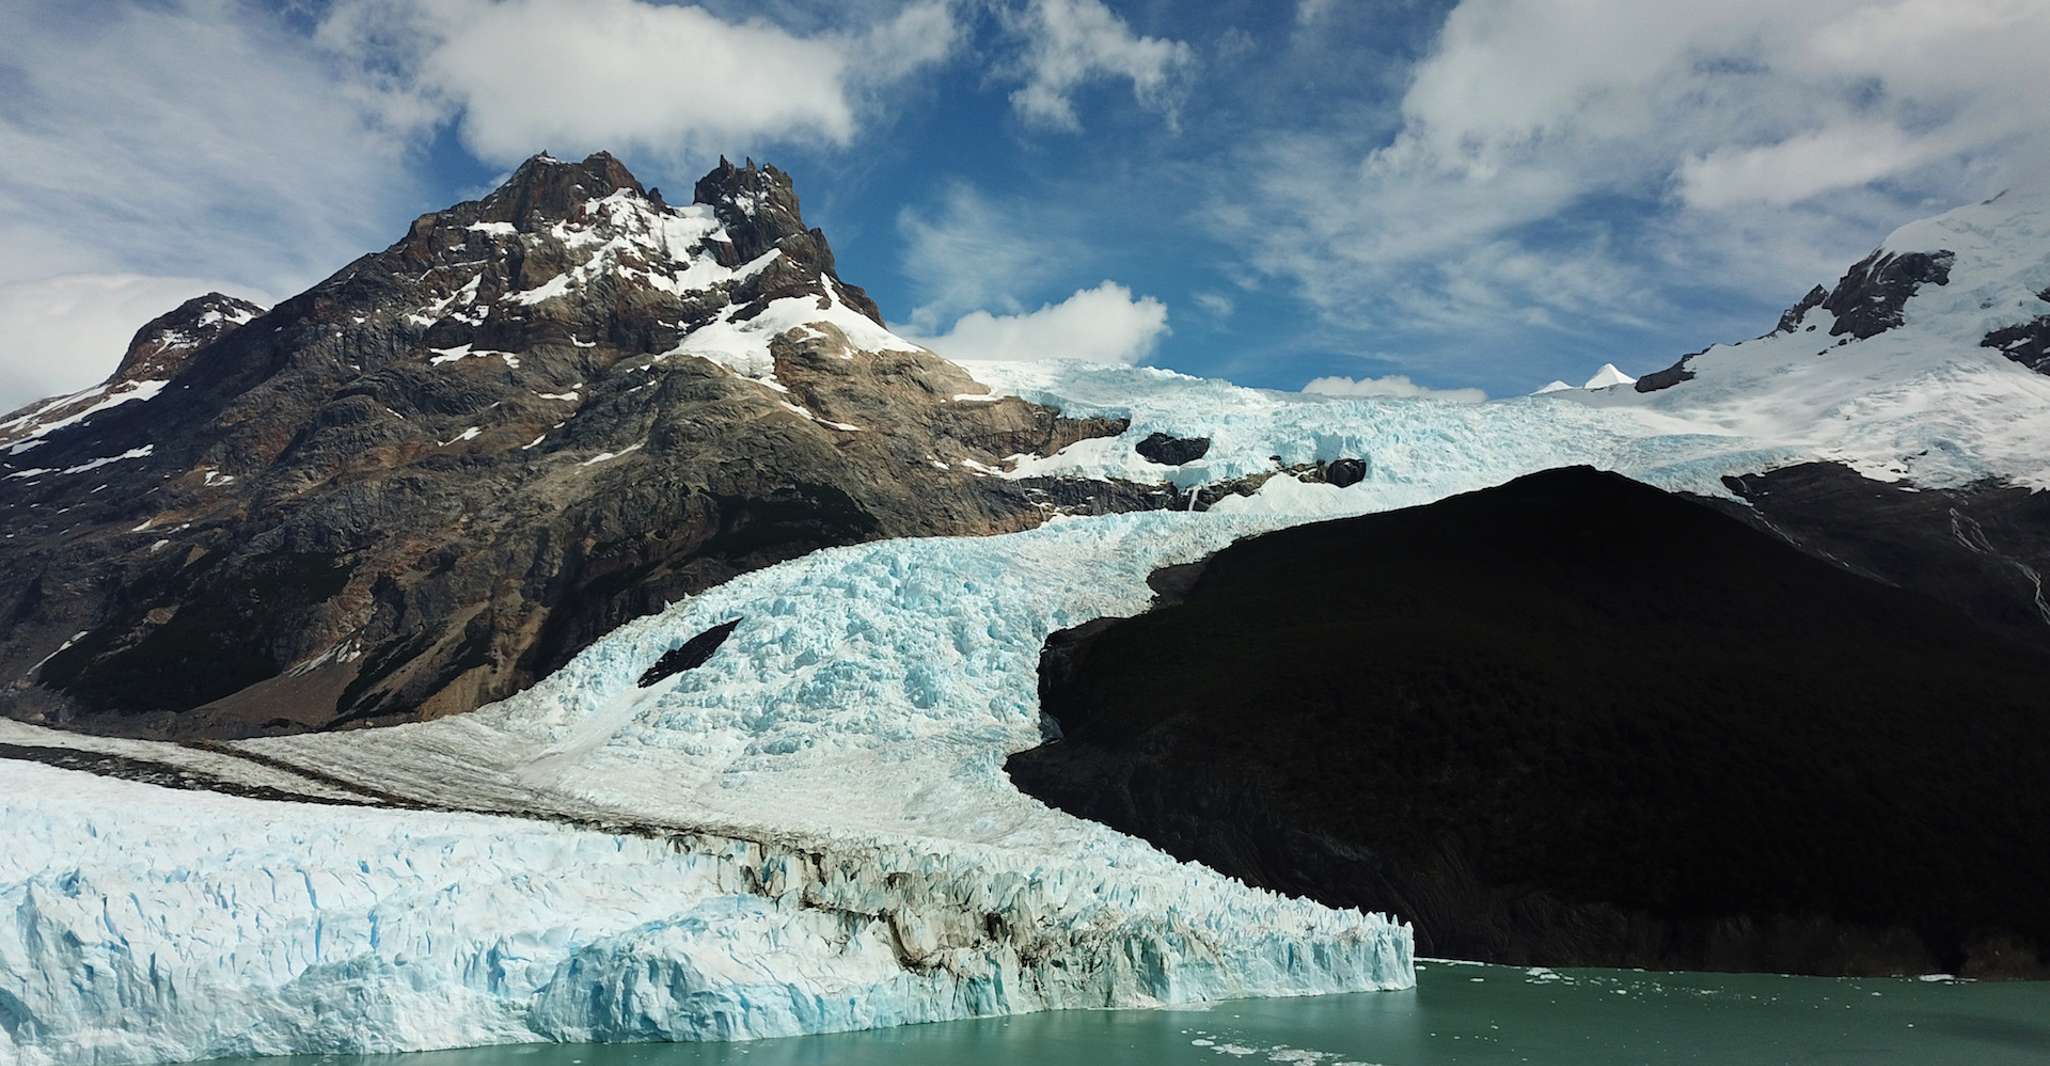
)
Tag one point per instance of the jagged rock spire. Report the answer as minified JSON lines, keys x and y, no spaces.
{"x":548,"y":187}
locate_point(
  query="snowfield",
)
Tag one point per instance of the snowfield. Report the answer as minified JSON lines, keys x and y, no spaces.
{"x":1923,"y":402}
{"x":813,"y":831}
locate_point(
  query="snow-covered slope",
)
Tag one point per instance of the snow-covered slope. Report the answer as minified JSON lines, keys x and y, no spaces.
{"x":1413,"y":451}
{"x":1931,"y":399}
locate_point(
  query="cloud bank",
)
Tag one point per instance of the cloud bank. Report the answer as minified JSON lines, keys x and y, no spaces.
{"x":624,"y":75}
{"x":1106,"y":324}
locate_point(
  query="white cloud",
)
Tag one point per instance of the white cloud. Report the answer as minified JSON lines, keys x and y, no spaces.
{"x":67,"y":332}
{"x":194,"y":134}
{"x":1100,"y":325}
{"x":1070,"y":43}
{"x":170,"y":148}
{"x":626,"y":75}
{"x":1216,"y":303}
{"x":1397,"y":386}
{"x":1576,"y":164}
{"x":1825,"y":94}
{"x":1808,"y":164}
{"x":970,"y":252}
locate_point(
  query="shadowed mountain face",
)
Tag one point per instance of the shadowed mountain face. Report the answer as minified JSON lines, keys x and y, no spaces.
{"x":438,"y":474}
{"x":1575,"y":720}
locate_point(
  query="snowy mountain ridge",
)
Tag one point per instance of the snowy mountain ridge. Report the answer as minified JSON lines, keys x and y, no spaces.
{"x":1925,"y":362}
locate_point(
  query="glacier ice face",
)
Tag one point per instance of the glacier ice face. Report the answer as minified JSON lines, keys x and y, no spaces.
{"x":154,"y":926}
{"x":810,"y":831}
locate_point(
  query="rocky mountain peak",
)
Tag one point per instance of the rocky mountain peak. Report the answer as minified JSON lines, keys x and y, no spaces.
{"x":757,"y":205}
{"x":159,"y":349}
{"x":551,"y":189}
{"x":439,"y":473}
{"x":1792,"y":318}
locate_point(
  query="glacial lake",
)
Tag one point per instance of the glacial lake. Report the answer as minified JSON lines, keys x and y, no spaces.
{"x":1459,"y":1013}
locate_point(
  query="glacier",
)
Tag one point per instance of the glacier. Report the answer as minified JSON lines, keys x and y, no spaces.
{"x":810,"y":832}
{"x":178,"y":926}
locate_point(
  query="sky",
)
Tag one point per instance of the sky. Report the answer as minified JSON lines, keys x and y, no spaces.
{"x":1461,"y":198}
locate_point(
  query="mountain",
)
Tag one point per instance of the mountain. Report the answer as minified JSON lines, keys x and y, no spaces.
{"x":1915,"y":389}
{"x":1608,"y":375}
{"x":1938,"y":333}
{"x":158,"y":352}
{"x":1575,"y":720}
{"x":438,"y":474}
{"x":572,"y":415}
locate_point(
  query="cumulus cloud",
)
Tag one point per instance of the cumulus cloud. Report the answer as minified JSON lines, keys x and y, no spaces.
{"x":1105,"y":324}
{"x":626,"y":75}
{"x":1070,"y":43}
{"x":1397,"y":386}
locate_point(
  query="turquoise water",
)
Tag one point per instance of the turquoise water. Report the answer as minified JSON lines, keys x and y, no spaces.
{"x":1457,"y":1014}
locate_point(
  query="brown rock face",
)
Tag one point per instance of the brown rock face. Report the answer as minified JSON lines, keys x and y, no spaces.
{"x":161,"y":346}
{"x":440,"y":473}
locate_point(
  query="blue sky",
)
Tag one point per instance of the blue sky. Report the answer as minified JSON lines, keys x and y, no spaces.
{"x":1389,"y":195}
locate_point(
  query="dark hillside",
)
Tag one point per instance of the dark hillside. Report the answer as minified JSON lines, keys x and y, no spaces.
{"x":1574,"y":719}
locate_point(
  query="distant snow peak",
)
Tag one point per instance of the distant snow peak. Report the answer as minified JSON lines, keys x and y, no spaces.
{"x":1555,"y":385}
{"x":1604,"y":378}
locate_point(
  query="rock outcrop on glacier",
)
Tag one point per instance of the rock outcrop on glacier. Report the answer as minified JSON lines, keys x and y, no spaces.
{"x":1575,"y":720}
{"x":437,"y":475}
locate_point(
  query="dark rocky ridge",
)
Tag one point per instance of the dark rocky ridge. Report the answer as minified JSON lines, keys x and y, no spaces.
{"x":1983,"y":549}
{"x":405,"y":492}
{"x":161,"y":346}
{"x":2027,"y":343}
{"x":1574,"y":720}
{"x":1868,"y":300}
